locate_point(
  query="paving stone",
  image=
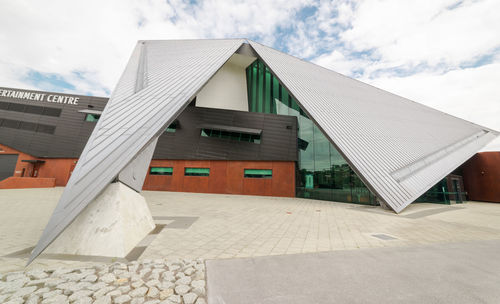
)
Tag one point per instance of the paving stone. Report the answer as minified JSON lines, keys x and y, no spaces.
{"x":23,"y":292}
{"x":166,"y":285}
{"x":153,"y":292}
{"x":103,"y":300}
{"x":41,"y":291}
{"x":4,"y":297}
{"x":51,"y":294}
{"x":122,"y":281}
{"x":84,"y":300}
{"x":200,"y":291}
{"x":152,"y":283}
{"x":152,"y":302}
{"x":90,"y":278}
{"x":36,"y":282}
{"x":37,"y":274}
{"x":33,"y":299}
{"x":80,"y":294}
{"x":139,"y":292}
{"x":179,"y":275}
{"x":14,"y":276}
{"x":183,"y":281}
{"x":103,"y":291}
{"x":189,"y":298}
{"x":198,"y":283}
{"x":15,"y":301}
{"x":114,"y":293}
{"x":53,"y":282}
{"x":60,"y":271}
{"x":154,"y":276}
{"x":122,"y":299}
{"x":73,"y":277}
{"x":168,"y":276}
{"x":96,"y":286}
{"x":12,"y":286}
{"x":124,"y":289}
{"x":201,"y":301}
{"x":108,"y":278}
{"x":199,"y":275}
{"x":164,"y":294}
{"x":174,"y":299}
{"x":138,"y":300}
{"x":137,"y":284}
{"x":56,"y":300}
{"x":182,"y":289}
{"x":189,"y":271}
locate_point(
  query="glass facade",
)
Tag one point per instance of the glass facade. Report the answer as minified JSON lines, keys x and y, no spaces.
{"x":322,"y":173}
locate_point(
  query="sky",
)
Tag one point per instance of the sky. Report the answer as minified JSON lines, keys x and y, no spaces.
{"x":441,"y":53}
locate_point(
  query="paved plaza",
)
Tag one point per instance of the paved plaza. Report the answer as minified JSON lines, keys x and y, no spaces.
{"x":192,"y":227}
{"x":211,"y":226}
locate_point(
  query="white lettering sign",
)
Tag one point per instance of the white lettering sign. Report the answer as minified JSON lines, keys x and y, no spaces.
{"x":40,"y":97}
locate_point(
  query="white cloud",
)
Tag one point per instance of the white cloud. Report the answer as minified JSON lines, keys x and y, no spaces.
{"x":416,"y":49}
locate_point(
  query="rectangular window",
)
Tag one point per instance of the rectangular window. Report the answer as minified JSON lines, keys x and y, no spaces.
{"x":196,"y":171}
{"x":171,"y":128}
{"x":161,"y":170}
{"x":236,"y":136}
{"x":259,"y":173}
{"x":92,"y":117}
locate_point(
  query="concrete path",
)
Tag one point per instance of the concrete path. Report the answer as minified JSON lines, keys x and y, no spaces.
{"x":466,"y":272}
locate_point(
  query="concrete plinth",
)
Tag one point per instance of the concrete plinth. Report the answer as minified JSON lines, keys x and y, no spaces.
{"x":112,"y":225}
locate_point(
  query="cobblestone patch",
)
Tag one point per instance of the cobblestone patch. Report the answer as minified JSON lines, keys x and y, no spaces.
{"x":156,"y":281}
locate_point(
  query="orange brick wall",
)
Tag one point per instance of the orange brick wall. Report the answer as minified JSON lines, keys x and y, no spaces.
{"x":225,"y":177}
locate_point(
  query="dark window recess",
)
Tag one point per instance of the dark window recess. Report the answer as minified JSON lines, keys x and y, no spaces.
{"x":258,"y":173}
{"x":302,"y":144}
{"x":51,"y":112}
{"x":196,"y":171}
{"x":161,"y":170}
{"x":28,"y":126}
{"x":34,"y":110}
{"x":253,"y":138}
{"x":16,"y":107}
{"x":46,"y":129}
{"x":92,"y":117}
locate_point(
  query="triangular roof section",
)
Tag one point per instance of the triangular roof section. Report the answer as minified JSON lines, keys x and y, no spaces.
{"x":159,"y":81}
{"x":398,"y":147}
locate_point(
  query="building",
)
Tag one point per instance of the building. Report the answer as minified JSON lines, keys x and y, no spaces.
{"x":258,"y":121}
{"x":45,"y":153}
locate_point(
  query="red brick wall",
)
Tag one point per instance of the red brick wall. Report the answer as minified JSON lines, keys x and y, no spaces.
{"x":481,"y":176}
{"x":225,"y":177}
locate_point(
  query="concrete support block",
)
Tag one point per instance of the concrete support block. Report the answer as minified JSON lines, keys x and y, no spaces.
{"x":112,"y":225}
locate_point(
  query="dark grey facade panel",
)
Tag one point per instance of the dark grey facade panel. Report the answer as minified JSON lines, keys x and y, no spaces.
{"x":71,"y":131}
{"x":277,"y":141}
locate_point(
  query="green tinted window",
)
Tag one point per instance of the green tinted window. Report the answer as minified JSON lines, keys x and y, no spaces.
{"x":259,"y":173}
{"x":161,"y":170}
{"x":196,"y":171}
{"x":92,"y":117}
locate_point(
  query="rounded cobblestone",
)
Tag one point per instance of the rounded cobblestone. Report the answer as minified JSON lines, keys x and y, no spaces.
{"x":139,"y":282}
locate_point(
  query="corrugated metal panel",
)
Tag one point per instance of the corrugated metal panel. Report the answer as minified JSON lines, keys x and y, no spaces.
{"x":400,"y":148}
{"x":170,"y":74}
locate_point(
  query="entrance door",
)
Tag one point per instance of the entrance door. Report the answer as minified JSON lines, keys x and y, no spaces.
{"x":7,"y":165}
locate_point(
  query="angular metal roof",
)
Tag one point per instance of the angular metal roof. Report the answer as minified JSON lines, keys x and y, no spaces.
{"x":160,"y":79}
{"x":399,"y":148}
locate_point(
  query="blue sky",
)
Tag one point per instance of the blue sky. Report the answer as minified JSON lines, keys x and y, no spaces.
{"x":443,"y":53}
